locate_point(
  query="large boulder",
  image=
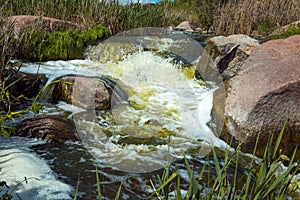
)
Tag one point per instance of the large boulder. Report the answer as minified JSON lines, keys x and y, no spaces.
{"x":224,"y":55}
{"x":264,"y":93}
{"x":221,"y":60}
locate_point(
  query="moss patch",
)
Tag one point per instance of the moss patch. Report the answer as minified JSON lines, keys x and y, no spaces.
{"x":40,"y":45}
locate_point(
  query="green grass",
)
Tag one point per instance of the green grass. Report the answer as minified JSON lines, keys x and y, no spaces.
{"x":262,"y":181}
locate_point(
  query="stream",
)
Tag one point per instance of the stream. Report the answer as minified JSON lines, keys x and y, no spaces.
{"x":164,"y":103}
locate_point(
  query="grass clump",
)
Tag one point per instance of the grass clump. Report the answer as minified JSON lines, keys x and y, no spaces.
{"x":262,"y":180}
{"x":38,"y":45}
{"x":293,"y":29}
{"x":94,"y":34}
{"x":266,"y":27}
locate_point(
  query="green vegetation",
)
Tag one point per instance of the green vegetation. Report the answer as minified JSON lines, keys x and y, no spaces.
{"x":87,"y":13}
{"x":40,"y":45}
{"x":262,"y":181}
{"x":7,"y":99}
{"x":265,"y":27}
{"x":6,"y":71}
{"x":226,"y":16}
{"x":246,"y":16}
{"x":238,"y":16}
{"x":293,"y":29}
{"x":200,"y":11}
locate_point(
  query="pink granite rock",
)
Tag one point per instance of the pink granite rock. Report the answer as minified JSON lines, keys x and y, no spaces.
{"x":26,"y":22}
{"x":263,"y":94}
{"x":186,"y":26}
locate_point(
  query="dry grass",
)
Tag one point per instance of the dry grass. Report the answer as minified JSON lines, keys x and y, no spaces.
{"x":247,"y":16}
{"x":250,"y":17}
{"x":87,"y":13}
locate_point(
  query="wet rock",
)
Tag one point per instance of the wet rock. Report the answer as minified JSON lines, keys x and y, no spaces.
{"x":20,"y":86}
{"x":53,"y":128}
{"x":25,"y":84}
{"x":90,"y":93}
{"x":263,"y":94}
{"x":224,"y":56}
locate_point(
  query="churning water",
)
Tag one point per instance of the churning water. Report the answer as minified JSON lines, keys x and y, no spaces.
{"x":165,"y":117}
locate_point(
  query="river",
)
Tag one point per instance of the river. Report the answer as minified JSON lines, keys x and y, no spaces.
{"x":165,"y":102}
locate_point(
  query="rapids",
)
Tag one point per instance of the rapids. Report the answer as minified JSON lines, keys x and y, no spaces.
{"x":164,"y":104}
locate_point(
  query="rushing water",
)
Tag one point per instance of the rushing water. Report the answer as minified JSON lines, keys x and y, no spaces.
{"x":163,"y":104}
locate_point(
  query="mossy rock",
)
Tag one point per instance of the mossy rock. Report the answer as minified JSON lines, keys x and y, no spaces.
{"x":40,"y":45}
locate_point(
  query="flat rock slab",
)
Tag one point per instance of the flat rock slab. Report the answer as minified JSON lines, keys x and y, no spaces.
{"x":26,"y":22}
{"x":265,"y":92}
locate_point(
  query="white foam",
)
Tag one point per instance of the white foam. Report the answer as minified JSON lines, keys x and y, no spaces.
{"x":162,"y":95}
{"x":18,"y":162}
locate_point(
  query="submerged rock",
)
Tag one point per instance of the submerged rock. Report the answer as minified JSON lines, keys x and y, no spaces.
{"x":109,"y":51}
{"x":265,"y":93}
{"x":53,"y":128}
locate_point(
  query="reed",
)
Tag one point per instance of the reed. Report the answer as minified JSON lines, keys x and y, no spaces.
{"x":90,"y":12}
{"x":225,"y":16}
{"x":255,"y":17}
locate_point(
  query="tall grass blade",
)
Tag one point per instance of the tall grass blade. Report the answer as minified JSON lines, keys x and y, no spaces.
{"x":248,"y":181}
{"x":164,"y":184}
{"x":178,"y":190}
{"x":98,"y":185}
{"x":119,"y":192}
{"x":193,"y":186}
{"x":77,"y":186}
{"x":279,"y":139}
